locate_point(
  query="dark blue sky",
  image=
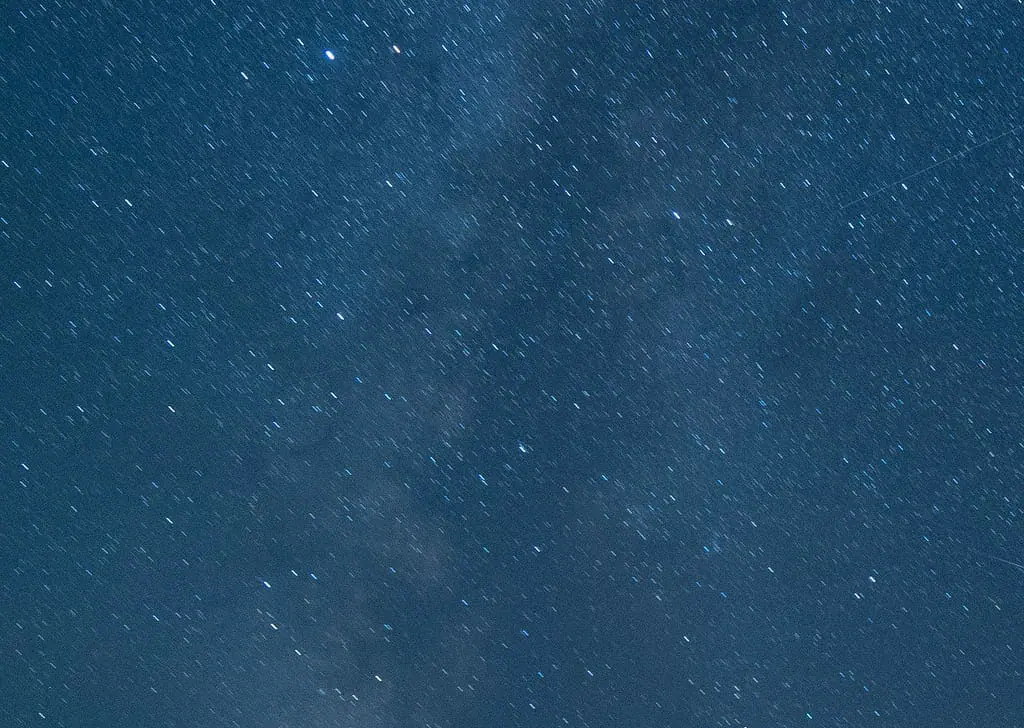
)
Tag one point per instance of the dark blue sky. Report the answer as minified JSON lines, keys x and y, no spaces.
{"x":511,"y":364}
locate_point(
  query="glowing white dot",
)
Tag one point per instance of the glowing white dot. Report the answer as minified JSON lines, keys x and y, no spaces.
{"x":329,"y":54}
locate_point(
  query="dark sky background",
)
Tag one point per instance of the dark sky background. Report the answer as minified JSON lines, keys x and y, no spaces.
{"x":512,"y":364}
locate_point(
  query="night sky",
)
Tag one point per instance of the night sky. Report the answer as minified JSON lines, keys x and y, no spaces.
{"x":515,"y":363}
